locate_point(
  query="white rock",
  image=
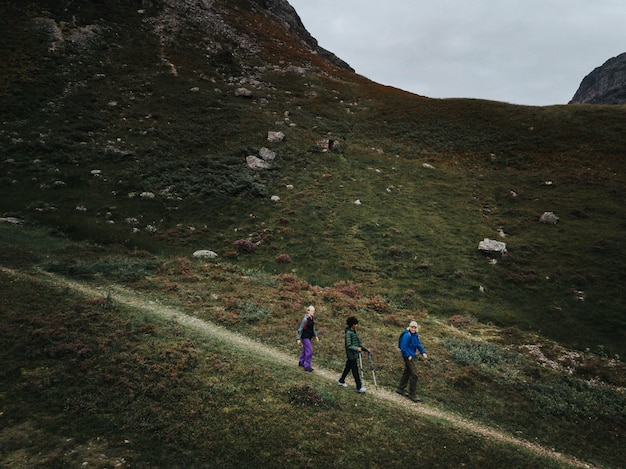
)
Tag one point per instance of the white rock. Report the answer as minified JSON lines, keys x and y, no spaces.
{"x":13,"y":220}
{"x":491,"y":245}
{"x":267,"y":154}
{"x":254,"y":162}
{"x":201,"y":253}
{"x":273,"y":136}
{"x":549,"y":218}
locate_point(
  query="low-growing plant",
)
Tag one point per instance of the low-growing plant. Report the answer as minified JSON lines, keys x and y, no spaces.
{"x":283,"y":259}
{"x":479,"y":354}
{"x":461,"y":321}
{"x":252,"y":312}
{"x":121,"y":268}
{"x":306,"y":395}
{"x":243,"y":245}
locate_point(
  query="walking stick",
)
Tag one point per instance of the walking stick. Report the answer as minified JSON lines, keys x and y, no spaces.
{"x":361,"y":363}
{"x":372,"y":367}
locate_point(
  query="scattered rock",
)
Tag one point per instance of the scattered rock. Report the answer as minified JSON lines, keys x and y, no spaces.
{"x":243,"y":92}
{"x":267,"y":154}
{"x":275,"y":198}
{"x":274,"y":137}
{"x":205,"y":253}
{"x":13,"y":220}
{"x":549,"y":218}
{"x":254,"y":162}
{"x":491,"y":246}
{"x":328,"y":144}
{"x":298,"y":70}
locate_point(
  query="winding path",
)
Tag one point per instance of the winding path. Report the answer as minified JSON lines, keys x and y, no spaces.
{"x":141,"y":302}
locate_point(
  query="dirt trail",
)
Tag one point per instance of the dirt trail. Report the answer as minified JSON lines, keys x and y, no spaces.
{"x":143,"y":302}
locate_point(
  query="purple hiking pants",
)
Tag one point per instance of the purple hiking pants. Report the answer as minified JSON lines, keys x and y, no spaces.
{"x":307,"y":354}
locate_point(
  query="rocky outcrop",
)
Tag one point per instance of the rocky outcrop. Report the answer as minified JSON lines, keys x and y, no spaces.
{"x":283,"y":10}
{"x":605,"y":84}
{"x":233,"y":37}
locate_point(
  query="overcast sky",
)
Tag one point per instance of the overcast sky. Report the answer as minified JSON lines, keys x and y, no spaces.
{"x":533,"y":52}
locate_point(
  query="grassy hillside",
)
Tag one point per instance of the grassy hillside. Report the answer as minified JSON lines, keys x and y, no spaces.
{"x":94,"y":377}
{"x":123,"y":150}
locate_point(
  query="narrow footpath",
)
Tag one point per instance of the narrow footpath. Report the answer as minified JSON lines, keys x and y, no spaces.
{"x":142,"y":302}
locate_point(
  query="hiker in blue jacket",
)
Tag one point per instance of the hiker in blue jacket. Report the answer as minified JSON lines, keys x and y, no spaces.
{"x":409,"y":346}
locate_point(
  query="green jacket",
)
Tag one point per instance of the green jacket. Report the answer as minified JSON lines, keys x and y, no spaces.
{"x":352,"y":343}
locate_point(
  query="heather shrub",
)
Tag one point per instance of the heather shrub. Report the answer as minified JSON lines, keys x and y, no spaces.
{"x":283,"y":259}
{"x":243,"y":245}
{"x":305,"y":395}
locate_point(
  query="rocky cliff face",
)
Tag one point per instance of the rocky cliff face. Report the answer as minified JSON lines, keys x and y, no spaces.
{"x":283,"y":10}
{"x":605,"y":84}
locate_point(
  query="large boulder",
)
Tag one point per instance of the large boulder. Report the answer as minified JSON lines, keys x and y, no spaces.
{"x":549,"y":218}
{"x":204,"y":253}
{"x":491,"y":246}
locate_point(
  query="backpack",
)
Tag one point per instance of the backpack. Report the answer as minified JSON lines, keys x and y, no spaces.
{"x":404,"y":331}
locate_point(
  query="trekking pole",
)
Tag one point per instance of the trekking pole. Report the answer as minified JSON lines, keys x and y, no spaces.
{"x":361,"y":363}
{"x":372,"y":367}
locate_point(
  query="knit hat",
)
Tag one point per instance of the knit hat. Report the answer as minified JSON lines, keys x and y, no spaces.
{"x":412,"y":324}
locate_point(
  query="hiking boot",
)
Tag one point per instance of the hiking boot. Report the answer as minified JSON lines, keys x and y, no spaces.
{"x":341,"y":383}
{"x":414,"y":398}
{"x":402,"y":392}
{"x":308,"y":369}
{"x":361,"y":390}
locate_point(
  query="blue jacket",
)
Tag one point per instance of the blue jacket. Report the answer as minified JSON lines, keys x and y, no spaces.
{"x":410,"y":344}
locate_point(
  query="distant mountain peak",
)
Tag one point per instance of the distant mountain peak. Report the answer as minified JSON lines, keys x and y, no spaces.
{"x":605,"y":84}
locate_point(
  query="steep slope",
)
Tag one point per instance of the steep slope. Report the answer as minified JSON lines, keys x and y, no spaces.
{"x":132,"y":123}
{"x":605,"y":84}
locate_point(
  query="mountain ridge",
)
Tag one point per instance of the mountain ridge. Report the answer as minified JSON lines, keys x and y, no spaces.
{"x":605,"y":84}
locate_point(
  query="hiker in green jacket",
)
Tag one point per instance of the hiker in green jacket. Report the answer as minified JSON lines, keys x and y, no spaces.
{"x":353,"y":348}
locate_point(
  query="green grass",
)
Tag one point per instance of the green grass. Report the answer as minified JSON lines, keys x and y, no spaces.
{"x":158,"y":392}
{"x":101,"y":384}
{"x":109,"y":385}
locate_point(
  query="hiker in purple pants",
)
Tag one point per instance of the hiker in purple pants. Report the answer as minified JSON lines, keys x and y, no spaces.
{"x":307,"y":332}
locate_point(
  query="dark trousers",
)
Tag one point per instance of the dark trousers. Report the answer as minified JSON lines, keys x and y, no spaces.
{"x":409,"y":376}
{"x":351,"y":365}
